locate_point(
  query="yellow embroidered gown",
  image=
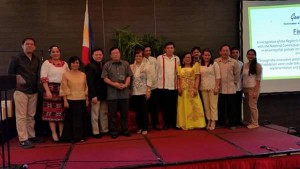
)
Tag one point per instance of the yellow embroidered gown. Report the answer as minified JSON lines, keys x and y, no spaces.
{"x":190,"y":112}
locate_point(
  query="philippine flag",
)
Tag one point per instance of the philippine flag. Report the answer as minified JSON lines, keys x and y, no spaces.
{"x":87,"y":44}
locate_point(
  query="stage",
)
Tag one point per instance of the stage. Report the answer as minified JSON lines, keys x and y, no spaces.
{"x":265,"y":147}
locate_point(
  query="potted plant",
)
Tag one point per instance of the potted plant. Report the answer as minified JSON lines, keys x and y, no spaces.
{"x":126,"y":41}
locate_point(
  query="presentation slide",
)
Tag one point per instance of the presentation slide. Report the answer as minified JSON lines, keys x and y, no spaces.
{"x":272,"y":28}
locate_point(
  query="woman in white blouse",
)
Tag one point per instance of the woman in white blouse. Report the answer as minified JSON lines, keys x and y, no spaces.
{"x":141,"y":90}
{"x":51,"y":76}
{"x":209,"y":87}
{"x":252,"y":73}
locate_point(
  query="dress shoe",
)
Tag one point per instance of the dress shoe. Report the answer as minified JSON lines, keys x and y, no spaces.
{"x":105,"y":133}
{"x":232,"y":127}
{"x":26,"y":144}
{"x":166,"y":127}
{"x":156,"y":128}
{"x":36,"y":140}
{"x":114,"y":136}
{"x":55,"y":141}
{"x":126,"y":133}
{"x":97,"y":136}
{"x":177,"y":128}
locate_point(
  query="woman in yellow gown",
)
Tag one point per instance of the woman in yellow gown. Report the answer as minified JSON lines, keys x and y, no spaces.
{"x":190,"y":114}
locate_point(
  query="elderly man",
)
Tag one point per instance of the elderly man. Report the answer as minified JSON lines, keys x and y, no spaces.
{"x":117,"y":74}
{"x":230,"y":76}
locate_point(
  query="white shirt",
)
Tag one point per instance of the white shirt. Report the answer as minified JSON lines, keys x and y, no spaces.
{"x":166,"y":69}
{"x":249,"y":81}
{"x":151,"y":61}
{"x":208,"y":76}
{"x":51,"y":73}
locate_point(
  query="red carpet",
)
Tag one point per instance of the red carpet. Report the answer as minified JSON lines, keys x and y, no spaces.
{"x":192,"y":146}
{"x":262,"y":141}
{"x":201,"y":149}
{"x":44,"y":155}
{"x":111,"y":154}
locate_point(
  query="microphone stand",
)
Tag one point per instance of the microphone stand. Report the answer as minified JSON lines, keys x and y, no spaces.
{"x":8,"y":82}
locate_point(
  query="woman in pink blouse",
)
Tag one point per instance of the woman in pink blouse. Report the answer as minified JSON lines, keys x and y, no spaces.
{"x":51,"y":75}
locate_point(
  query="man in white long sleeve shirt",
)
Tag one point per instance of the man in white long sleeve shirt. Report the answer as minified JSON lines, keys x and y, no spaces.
{"x":166,"y":69}
{"x":153,"y":101}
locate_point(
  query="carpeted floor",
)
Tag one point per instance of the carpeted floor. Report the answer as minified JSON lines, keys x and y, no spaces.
{"x":158,"y":148}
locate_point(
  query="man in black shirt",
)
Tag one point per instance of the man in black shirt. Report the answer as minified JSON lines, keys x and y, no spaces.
{"x":26,"y":68}
{"x":97,"y":93}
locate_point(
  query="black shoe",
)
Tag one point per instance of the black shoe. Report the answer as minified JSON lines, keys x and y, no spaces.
{"x":97,"y":136}
{"x":156,"y":128}
{"x":36,"y":140}
{"x":105,"y":133}
{"x":126,"y":133}
{"x":232,"y":127}
{"x":166,"y":127}
{"x":177,"y":128}
{"x":55,"y":141}
{"x":26,"y":144}
{"x":114,"y":136}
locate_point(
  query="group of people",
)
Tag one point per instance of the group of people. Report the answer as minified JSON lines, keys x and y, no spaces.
{"x":165,"y":84}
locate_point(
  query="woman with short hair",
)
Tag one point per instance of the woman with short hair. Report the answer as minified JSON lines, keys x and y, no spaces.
{"x":75,"y":92}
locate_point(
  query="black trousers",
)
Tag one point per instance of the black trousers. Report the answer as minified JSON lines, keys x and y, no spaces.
{"x":239,"y":101}
{"x":153,"y":107}
{"x":168,"y":103}
{"x":141,"y":113}
{"x":75,"y":123}
{"x":113,"y":106}
{"x":227,"y":110}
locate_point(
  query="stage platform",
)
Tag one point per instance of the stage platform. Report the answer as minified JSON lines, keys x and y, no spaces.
{"x":264,"y":147}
